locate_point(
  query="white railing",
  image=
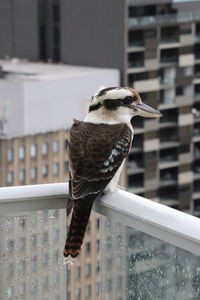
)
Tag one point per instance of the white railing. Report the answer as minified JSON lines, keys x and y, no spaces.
{"x":165,"y":223}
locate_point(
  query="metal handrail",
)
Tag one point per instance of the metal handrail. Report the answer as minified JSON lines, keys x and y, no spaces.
{"x":165,"y":223}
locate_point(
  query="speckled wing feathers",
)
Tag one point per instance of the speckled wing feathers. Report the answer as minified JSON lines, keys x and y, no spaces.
{"x":95,"y":153}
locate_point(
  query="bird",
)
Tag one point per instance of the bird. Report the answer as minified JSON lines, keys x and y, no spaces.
{"x":97,"y":149}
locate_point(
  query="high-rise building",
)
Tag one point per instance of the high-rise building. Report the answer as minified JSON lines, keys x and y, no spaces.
{"x":155,"y":44}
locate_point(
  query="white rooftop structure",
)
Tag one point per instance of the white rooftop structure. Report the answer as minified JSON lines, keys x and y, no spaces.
{"x":41,"y":97}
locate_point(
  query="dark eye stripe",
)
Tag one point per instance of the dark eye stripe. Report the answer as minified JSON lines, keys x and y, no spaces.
{"x":127,"y":100}
{"x":112,"y":103}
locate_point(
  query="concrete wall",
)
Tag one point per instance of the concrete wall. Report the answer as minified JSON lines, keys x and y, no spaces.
{"x":12,"y":103}
{"x":19,"y":28}
{"x":39,"y":106}
{"x":53,"y":104}
{"x":93,"y":33}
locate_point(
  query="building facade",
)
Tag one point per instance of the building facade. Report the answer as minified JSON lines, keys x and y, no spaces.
{"x":28,"y":238}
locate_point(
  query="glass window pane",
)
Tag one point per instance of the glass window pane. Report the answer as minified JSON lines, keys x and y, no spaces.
{"x":21,"y":153}
{"x":55,"y":168}
{"x":33,"y":172}
{"x":145,"y":267}
{"x":10,"y":177}
{"x":31,"y":263}
{"x":21,"y":175}
{"x":45,"y":148}
{"x":33,"y":150}
{"x":55,"y":146}
{"x":10,"y":154}
{"x":44,"y":170}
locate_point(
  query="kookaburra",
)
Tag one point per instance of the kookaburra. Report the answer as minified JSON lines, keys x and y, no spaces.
{"x":97,"y":149}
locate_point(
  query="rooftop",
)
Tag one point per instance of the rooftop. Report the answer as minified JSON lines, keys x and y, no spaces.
{"x":27,"y":70}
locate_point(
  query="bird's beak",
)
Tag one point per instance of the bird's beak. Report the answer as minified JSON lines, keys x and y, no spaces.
{"x":146,"y":111}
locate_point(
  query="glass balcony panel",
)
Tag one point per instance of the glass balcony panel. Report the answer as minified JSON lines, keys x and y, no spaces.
{"x":144,"y":267}
{"x":168,"y":18}
{"x":31,"y":259}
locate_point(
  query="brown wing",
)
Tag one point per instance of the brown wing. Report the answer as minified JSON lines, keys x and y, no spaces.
{"x":95,"y":153}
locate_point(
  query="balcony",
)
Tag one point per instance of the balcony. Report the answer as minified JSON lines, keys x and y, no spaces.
{"x":164,"y":19}
{"x":137,"y":260}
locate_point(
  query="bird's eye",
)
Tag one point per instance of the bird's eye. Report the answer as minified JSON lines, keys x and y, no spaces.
{"x":128,"y":100}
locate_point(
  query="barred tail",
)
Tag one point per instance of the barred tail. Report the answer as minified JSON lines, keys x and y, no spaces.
{"x":80,"y":217}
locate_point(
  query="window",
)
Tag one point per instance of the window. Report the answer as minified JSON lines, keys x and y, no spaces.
{"x":55,"y":146}
{"x":45,"y":238}
{"x":66,"y":145}
{"x":33,"y":150}
{"x":98,"y":266}
{"x":136,"y":60}
{"x":88,"y":247}
{"x":45,"y":147}
{"x":56,"y":234}
{"x":10,"y":154}
{"x":77,"y":294}
{"x":55,"y":168}
{"x":10,"y":270}
{"x":56,"y":279}
{"x":22,"y":288}
{"x":88,"y":290}
{"x":33,"y":218}
{"x":45,"y":170}
{"x":11,"y":246}
{"x":78,"y":272}
{"x":45,"y":282}
{"x":56,"y":12}
{"x":10,"y":292}
{"x":22,"y":267}
{"x":21,"y":175}
{"x":33,"y":285}
{"x":188,"y":71}
{"x":98,"y":244}
{"x":45,"y":259}
{"x":88,"y":270}
{"x":119,"y":282}
{"x":97,"y":288}
{"x":66,"y":166}
{"x":109,"y":286}
{"x":21,"y":153}
{"x":33,"y":264}
{"x":10,"y":177}
{"x":97,"y":223}
{"x":188,"y":90}
{"x":34,"y":242}
{"x":56,"y":35}
{"x":56,"y":256}
{"x":33,"y":172}
{"x":22,"y":244}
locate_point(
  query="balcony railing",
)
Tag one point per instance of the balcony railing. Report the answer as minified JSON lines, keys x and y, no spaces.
{"x":164,"y":19}
{"x":148,"y":250}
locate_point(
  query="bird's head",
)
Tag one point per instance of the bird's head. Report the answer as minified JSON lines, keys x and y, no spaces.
{"x":122,"y":100}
